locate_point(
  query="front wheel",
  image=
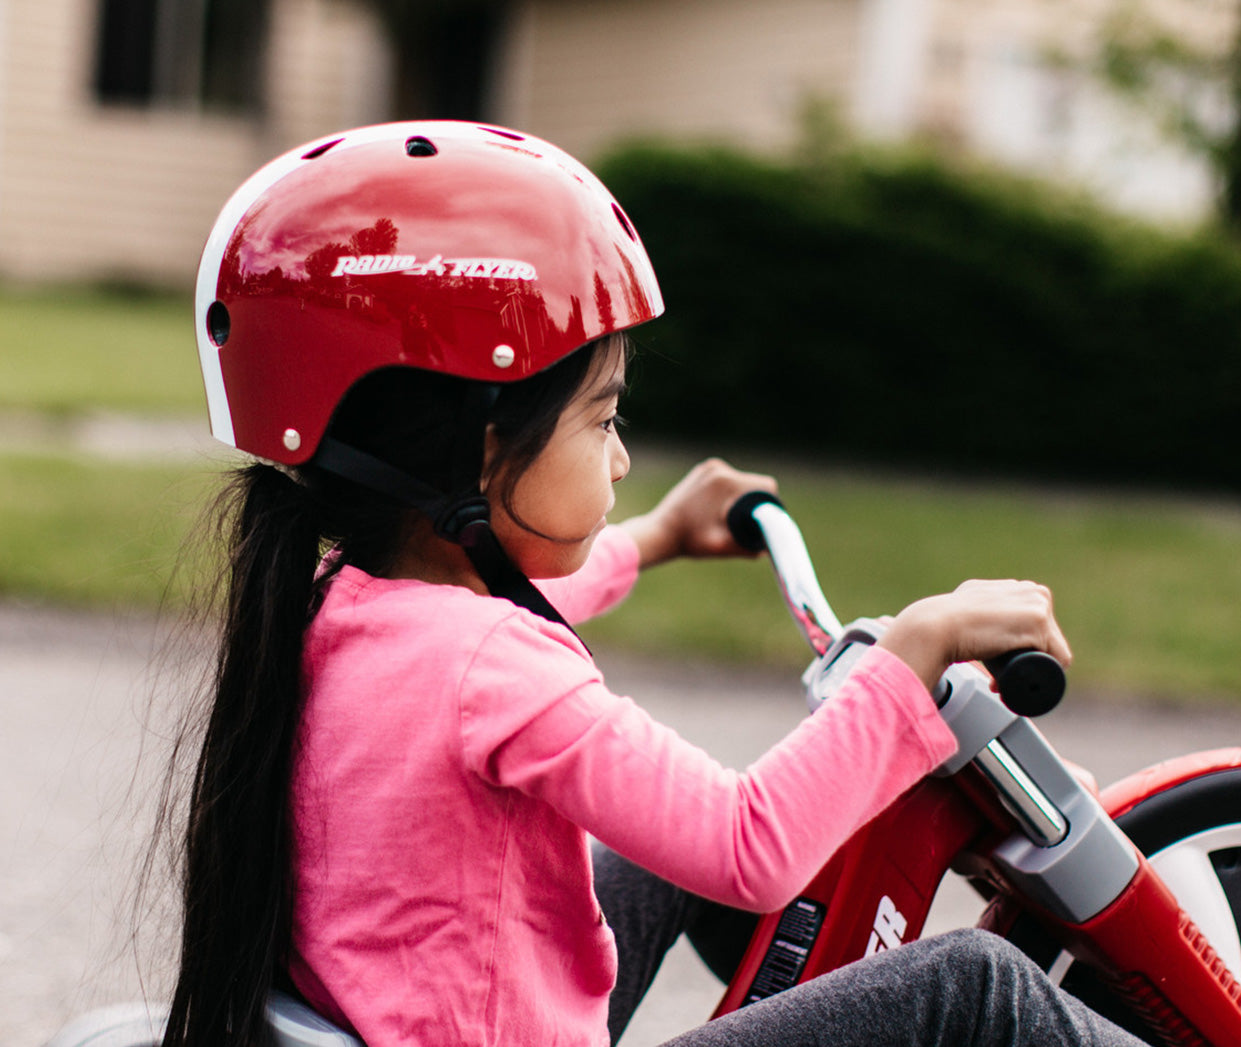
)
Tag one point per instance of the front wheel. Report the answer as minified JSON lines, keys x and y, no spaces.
{"x":1191,"y":833}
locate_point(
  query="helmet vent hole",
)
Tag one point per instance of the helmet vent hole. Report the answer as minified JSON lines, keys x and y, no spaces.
{"x":503,"y":134}
{"x":218,"y":323}
{"x":319,"y":150}
{"x":419,"y":146}
{"x":624,"y":222}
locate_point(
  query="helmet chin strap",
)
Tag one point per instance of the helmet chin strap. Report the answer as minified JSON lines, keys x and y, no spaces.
{"x":463,"y":518}
{"x":502,"y":577}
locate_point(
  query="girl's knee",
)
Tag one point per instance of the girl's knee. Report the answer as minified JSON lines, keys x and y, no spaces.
{"x":986,"y":954}
{"x":977,"y":942}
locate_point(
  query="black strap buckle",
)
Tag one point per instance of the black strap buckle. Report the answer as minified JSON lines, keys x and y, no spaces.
{"x":463,"y":518}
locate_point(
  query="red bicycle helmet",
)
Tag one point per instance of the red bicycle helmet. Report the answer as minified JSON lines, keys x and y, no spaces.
{"x":460,"y":248}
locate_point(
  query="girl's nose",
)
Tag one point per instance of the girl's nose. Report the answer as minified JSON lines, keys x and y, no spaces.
{"x":620,"y":462}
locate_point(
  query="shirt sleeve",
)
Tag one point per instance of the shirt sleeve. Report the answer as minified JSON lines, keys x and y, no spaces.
{"x":601,"y":583}
{"x":750,"y":839}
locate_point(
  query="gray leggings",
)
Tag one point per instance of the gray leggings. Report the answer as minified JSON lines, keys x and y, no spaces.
{"x":968,"y":987}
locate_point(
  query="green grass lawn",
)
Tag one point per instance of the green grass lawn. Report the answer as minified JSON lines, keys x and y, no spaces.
{"x":90,"y":533}
{"x":1148,"y":589}
{"x":71,"y":350}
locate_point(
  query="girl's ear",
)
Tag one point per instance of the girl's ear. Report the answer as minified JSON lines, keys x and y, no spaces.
{"x":491,"y":447}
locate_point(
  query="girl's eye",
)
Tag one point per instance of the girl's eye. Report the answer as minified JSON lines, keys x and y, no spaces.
{"x":613,"y":423}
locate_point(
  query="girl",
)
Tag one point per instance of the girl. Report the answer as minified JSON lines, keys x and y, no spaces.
{"x":417,"y":329}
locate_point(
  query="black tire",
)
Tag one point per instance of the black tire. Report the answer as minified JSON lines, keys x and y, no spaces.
{"x":1192,"y":834}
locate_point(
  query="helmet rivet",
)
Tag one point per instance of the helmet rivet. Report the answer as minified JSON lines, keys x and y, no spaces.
{"x":503,"y":356}
{"x":292,"y":439}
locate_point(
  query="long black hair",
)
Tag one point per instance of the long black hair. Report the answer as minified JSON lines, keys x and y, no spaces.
{"x":238,"y":851}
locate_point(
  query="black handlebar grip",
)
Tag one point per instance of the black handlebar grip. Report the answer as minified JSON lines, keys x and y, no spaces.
{"x":1030,"y":683}
{"x":746,"y":533}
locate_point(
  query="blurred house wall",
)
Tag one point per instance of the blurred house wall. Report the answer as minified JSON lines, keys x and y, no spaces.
{"x":584,"y":74}
{"x":1015,"y":81}
{"x":1020,"y":82}
{"x":105,"y":190}
{"x":99,"y":191}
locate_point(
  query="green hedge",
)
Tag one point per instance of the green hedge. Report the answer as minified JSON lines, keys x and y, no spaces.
{"x":897,"y":311}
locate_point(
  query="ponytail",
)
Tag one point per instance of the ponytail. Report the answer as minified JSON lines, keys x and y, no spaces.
{"x":238,"y":853}
{"x":236,"y":891}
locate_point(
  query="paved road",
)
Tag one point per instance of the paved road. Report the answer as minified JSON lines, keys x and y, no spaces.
{"x":76,"y":783}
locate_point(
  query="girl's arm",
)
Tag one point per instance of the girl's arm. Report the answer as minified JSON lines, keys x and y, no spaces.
{"x":749,"y":839}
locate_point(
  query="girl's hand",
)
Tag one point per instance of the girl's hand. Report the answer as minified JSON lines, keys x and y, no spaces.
{"x":690,"y":519}
{"x":979,"y":619}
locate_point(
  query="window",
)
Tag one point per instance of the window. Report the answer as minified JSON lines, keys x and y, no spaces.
{"x":445,"y":51}
{"x":206,"y":53}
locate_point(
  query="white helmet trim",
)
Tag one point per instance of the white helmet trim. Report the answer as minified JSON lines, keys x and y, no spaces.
{"x":213,"y":257}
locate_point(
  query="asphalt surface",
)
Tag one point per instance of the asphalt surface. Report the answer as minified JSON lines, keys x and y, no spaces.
{"x":83,"y":700}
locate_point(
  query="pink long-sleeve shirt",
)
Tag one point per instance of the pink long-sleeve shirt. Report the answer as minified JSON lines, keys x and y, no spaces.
{"x":455,"y":753}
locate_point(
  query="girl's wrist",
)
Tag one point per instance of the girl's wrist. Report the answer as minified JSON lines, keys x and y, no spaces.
{"x":655,"y":540}
{"x":918,"y":637}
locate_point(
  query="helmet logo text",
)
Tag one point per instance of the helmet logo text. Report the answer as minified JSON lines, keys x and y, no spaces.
{"x":475,"y":268}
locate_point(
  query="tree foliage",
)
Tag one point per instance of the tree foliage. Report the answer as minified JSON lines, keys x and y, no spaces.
{"x":1188,"y":85}
{"x":895,"y":309}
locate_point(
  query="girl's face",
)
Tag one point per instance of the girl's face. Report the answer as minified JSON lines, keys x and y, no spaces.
{"x":560,"y":503}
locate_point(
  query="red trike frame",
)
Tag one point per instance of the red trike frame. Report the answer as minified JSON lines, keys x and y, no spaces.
{"x":877,"y":890}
